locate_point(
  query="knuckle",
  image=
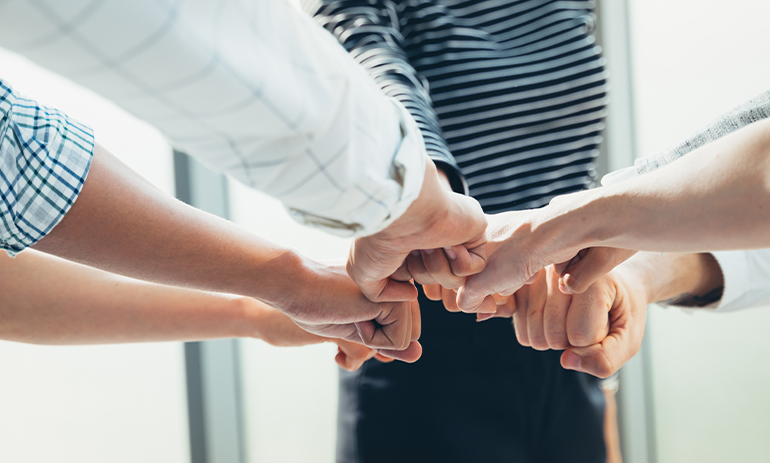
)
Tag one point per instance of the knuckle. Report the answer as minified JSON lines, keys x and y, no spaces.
{"x":583,"y":338}
{"x":557,"y":340}
{"x":538,"y":343}
{"x":521,"y":337}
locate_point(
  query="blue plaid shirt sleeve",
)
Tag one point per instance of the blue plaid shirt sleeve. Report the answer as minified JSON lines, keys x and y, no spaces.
{"x":44,"y":159}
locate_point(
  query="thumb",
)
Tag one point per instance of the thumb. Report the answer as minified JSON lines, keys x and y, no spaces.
{"x":475,"y":296}
{"x":351,"y":356}
{"x":468,"y":259}
{"x":589,"y":265}
{"x":602,"y":359}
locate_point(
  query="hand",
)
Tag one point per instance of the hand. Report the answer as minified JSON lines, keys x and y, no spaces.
{"x":277,"y":329}
{"x":515,"y":254}
{"x":351,"y":356}
{"x":589,"y":265}
{"x":327,"y":303}
{"x":438,"y":218}
{"x":521,"y":243}
{"x":601,"y":328}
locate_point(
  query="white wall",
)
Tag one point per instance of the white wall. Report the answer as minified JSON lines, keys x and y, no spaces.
{"x":692,"y":60}
{"x":290,"y":393}
{"x":99,"y":403}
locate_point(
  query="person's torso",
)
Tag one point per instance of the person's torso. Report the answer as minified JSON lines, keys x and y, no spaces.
{"x":520,"y":91}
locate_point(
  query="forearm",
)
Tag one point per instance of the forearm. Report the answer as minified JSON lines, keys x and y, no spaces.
{"x":692,"y":280}
{"x":122,"y":224}
{"x":713,"y":199}
{"x":45,"y":300}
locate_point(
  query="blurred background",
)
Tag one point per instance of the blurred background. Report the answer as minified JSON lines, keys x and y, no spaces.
{"x":696,"y":392}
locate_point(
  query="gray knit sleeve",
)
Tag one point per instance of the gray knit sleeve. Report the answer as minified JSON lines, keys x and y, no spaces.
{"x":754,"y":110}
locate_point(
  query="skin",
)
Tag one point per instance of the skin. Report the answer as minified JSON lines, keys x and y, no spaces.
{"x":46,"y":300}
{"x":122,"y":224}
{"x":602,"y":328}
{"x":715,"y":198}
{"x":437,"y":219}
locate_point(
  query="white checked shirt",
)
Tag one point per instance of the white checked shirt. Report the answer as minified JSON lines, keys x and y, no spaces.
{"x":252,"y":88}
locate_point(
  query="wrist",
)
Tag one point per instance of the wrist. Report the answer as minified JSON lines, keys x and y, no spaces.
{"x":430,"y":208}
{"x":275,"y":281}
{"x":640,"y":269}
{"x":246,"y":316}
{"x":568,"y":224}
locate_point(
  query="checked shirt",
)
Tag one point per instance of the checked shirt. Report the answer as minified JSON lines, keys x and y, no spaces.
{"x":254,"y":89}
{"x":44,"y":160}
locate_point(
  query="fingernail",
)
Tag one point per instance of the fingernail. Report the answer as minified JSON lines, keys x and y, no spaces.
{"x":428,"y":251}
{"x":415,"y":253}
{"x":480,"y":317}
{"x":450,"y":253}
{"x":573,"y":362}
{"x":563,"y":287}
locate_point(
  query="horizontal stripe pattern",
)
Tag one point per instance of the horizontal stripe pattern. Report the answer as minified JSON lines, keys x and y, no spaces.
{"x":511,"y":93}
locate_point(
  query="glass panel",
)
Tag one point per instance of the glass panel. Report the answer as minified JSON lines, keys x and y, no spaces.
{"x":97,"y":403}
{"x":694,"y":59}
{"x":290,"y":394}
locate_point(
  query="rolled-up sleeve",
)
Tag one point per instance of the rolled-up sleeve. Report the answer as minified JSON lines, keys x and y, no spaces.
{"x":746,"y":279}
{"x":254,"y":89}
{"x":371,"y":30}
{"x":44,"y":160}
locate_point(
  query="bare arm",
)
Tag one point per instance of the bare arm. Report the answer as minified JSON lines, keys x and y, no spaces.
{"x":45,"y":300}
{"x":716,"y":198}
{"x":122,"y":224}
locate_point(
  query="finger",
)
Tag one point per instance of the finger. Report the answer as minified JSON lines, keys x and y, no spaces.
{"x":627,"y":321}
{"x":381,"y":358}
{"x":417,"y":269}
{"x":555,"y":312}
{"x":416,"y":321}
{"x":409,"y":355}
{"x":432,"y":292}
{"x":449,"y":297}
{"x":402,"y":273}
{"x":478,"y":289}
{"x":342,"y":360}
{"x":487,"y":306}
{"x":506,"y":305}
{"x":505,"y":308}
{"x":351,"y":356}
{"x":588,"y":317}
{"x":589,"y":266}
{"x":520,"y":318}
{"x":437,"y":264}
{"x":602,"y":359}
{"x":538,"y":294}
{"x":388,"y":290}
{"x":382,"y":290}
{"x":391,"y":329}
{"x":468,"y":259}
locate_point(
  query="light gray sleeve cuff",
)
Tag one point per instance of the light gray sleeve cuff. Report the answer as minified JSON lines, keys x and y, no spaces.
{"x":754,"y":110}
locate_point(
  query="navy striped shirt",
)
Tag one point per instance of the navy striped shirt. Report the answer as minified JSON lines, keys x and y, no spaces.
{"x":509,"y":95}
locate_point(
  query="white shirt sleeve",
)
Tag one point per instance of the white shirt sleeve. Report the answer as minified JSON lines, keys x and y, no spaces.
{"x":746,"y":279}
{"x":255,"y":89}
